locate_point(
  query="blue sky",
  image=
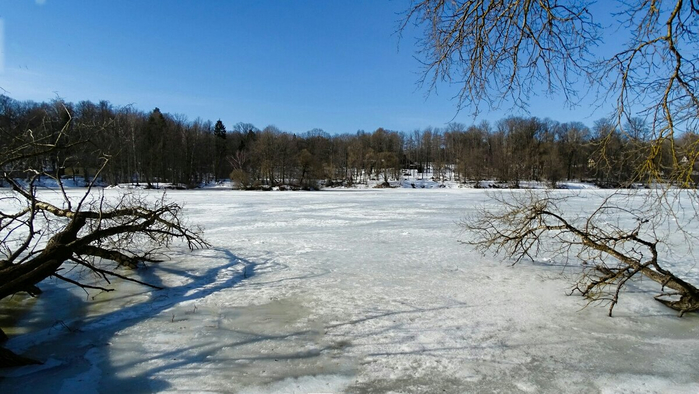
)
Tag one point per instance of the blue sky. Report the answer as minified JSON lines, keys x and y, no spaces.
{"x":299,"y":65}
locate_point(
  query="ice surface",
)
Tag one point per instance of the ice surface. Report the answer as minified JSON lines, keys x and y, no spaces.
{"x":348,"y":291}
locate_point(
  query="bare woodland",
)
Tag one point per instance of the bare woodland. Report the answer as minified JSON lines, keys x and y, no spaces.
{"x":503,"y":52}
{"x":155,"y":149}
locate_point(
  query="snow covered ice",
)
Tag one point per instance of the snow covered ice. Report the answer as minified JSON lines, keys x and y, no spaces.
{"x":356,"y":291}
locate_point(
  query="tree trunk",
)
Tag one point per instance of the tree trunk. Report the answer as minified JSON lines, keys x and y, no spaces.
{"x":10,"y":359}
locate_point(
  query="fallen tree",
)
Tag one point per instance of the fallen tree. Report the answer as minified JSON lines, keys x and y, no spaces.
{"x":614,"y":244}
{"x":49,"y":234}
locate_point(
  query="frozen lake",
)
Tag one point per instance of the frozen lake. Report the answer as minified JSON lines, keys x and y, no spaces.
{"x":356,"y":291}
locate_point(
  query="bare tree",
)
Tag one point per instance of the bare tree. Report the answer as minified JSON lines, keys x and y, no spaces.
{"x":499,"y":51}
{"x":43,"y":236}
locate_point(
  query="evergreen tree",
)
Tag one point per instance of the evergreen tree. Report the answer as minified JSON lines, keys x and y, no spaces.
{"x":220,"y":130}
{"x":151,"y":146}
{"x":221,"y":150}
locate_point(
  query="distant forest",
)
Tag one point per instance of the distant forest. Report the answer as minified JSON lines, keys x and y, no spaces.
{"x":149,"y":148}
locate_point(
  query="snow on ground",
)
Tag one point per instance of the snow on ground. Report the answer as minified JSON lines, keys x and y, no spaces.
{"x":357,"y":291}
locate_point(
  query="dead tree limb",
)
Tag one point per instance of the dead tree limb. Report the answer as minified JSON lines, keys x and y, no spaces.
{"x":532,"y":223}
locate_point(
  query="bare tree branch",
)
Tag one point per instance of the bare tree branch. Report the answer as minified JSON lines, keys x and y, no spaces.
{"x":532,"y":223}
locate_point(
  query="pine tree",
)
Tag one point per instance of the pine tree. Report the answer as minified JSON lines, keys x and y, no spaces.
{"x":220,"y":130}
{"x":221,"y":149}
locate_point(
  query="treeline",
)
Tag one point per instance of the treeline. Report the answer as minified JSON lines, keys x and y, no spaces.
{"x":156,"y":147}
